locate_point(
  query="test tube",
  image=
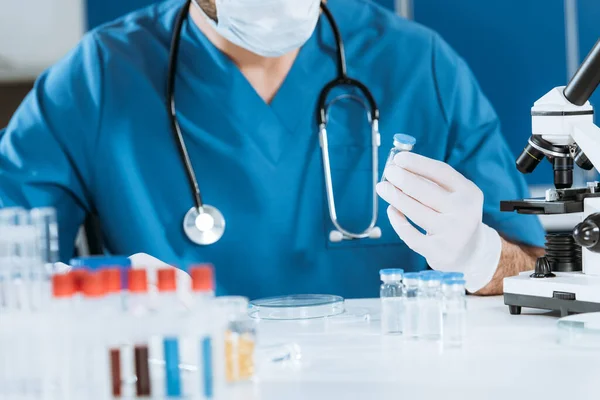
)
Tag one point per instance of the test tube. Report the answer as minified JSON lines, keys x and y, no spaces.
{"x":20,"y":246}
{"x":203,"y":285}
{"x":112,"y":278}
{"x":172,"y":375}
{"x":138,"y":299}
{"x":45,"y":221}
{"x":240,"y":338}
{"x":8,"y":222}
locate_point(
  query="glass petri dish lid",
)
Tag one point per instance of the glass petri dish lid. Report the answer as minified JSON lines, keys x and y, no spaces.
{"x":297,"y":307}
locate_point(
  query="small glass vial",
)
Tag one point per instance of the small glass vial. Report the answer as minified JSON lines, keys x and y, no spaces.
{"x":455,"y":312}
{"x":430,"y":306}
{"x":411,"y":305}
{"x":402,"y":142}
{"x":392,"y":308}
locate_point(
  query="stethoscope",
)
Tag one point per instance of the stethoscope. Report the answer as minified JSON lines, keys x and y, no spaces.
{"x":204,"y":224}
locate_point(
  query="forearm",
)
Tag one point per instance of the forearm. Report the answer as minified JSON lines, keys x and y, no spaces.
{"x":515,"y":258}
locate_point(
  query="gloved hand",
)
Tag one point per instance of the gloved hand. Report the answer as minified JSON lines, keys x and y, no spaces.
{"x":449,"y":208}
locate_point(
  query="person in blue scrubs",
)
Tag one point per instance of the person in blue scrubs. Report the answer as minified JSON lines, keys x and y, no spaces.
{"x":93,"y":136}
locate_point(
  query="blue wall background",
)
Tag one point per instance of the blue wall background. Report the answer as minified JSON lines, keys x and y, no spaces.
{"x":515,"y":48}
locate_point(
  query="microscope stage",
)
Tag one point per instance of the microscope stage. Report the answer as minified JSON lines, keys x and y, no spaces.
{"x":568,"y":292}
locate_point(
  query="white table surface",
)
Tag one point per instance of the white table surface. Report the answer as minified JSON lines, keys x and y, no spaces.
{"x":504,"y":357}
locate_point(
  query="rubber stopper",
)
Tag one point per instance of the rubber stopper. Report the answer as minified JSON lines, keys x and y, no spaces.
{"x":138,"y":280}
{"x":94,"y":285}
{"x":63,"y":285}
{"x":202,"y":278}
{"x":112,"y":279}
{"x":167,"y":280}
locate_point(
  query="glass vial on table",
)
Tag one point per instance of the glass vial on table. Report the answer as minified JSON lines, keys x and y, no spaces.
{"x":430,"y":305}
{"x":455,"y":312}
{"x":411,"y":305}
{"x":392,"y":308}
{"x":402,"y":142}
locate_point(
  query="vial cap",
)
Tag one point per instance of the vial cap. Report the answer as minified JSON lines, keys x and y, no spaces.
{"x":411,"y":275}
{"x":454,"y":275}
{"x":94,"y":284}
{"x":63,"y":285}
{"x":138,"y":280}
{"x":202,"y":278}
{"x":391,"y":274}
{"x":112,"y":279}
{"x":404,"y":141}
{"x":452,"y":281}
{"x":167,"y":280}
{"x":431,"y":277}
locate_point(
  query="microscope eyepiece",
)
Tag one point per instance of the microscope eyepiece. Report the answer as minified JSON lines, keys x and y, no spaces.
{"x":529,"y":159}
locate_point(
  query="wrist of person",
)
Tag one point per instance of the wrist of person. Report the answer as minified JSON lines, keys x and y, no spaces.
{"x":483,"y":259}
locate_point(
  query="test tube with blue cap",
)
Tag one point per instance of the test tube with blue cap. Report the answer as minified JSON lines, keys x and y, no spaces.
{"x":402,"y":142}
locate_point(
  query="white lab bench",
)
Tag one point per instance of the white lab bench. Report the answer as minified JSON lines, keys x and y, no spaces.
{"x":504,"y":357}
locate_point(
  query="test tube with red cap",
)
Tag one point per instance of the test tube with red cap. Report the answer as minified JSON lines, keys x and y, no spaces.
{"x":112,"y":279}
{"x":203,"y":284}
{"x":138,"y":299}
{"x":62,"y":314}
{"x":91,"y":366}
{"x":167,"y":289}
{"x":63,"y":292}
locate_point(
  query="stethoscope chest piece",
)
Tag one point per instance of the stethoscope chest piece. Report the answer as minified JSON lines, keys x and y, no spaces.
{"x":204,"y":226}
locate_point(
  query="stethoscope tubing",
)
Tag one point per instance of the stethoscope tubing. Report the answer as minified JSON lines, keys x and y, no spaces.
{"x":341,"y":79}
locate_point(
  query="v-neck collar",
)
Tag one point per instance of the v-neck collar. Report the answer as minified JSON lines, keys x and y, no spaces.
{"x":289,"y":102}
{"x":271,"y":126}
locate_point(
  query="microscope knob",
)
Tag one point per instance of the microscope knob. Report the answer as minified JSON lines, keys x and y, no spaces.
{"x":542,"y":269}
{"x":587,"y":233}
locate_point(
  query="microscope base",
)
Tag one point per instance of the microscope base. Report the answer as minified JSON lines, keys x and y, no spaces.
{"x":568,"y":292}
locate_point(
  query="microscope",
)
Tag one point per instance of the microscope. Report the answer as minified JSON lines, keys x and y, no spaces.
{"x":567,"y":277}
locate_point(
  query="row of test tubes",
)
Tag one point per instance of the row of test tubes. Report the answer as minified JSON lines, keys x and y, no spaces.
{"x":106,"y":335}
{"x":28,"y":250}
{"x":429,"y":305}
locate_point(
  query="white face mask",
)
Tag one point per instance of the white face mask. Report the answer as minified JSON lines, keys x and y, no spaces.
{"x":269,"y":28}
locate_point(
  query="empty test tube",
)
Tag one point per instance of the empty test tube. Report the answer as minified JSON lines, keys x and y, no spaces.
{"x":45,"y":222}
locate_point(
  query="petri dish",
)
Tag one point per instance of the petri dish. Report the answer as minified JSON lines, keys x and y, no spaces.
{"x":581,"y":330}
{"x":297,"y":307}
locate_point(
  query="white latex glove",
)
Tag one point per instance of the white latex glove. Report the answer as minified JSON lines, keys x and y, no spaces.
{"x":449,"y":208}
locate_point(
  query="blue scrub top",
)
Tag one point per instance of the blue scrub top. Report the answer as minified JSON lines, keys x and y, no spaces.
{"x":93,"y":135}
